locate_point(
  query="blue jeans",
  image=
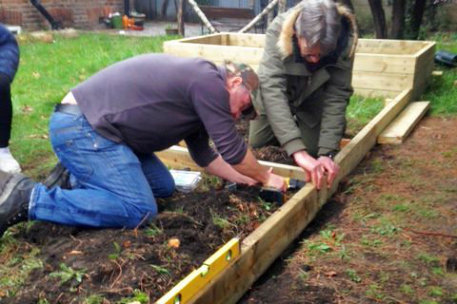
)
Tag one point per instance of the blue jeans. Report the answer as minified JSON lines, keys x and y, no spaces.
{"x":114,"y":186}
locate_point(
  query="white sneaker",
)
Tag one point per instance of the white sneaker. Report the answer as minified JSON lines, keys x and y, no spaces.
{"x":7,"y":161}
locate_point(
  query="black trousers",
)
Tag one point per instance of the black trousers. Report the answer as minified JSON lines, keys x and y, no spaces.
{"x":6,"y":110}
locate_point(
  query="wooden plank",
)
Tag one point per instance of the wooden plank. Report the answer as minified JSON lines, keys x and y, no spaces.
{"x":189,"y":286}
{"x":402,"y":126}
{"x":376,"y":92}
{"x":215,"y":53}
{"x":250,"y":40}
{"x":381,"y":81}
{"x":427,"y":45}
{"x":353,"y":153}
{"x":403,"y":64}
{"x":209,"y":38}
{"x":424,"y":67}
{"x":178,"y":157}
{"x":386,"y":46}
{"x":372,"y":46}
{"x":267,"y":242}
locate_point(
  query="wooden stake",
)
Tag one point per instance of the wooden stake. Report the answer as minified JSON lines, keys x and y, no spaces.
{"x":202,"y":16}
{"x":256,"y":19}
{"x":271,"y":15}
{"x":282,"y":6}
{"x":180,"y":18}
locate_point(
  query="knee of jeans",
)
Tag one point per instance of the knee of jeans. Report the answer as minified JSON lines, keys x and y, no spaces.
{"x":167,"y":188}
{"x":145,"y":206}
{"x":142,"y":216}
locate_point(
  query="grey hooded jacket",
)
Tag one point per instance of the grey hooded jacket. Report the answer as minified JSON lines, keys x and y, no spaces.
{"x":290,"y":92}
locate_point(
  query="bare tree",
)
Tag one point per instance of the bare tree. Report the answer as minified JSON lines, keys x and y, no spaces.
{"x":416,"y":18}
{"x":270,"y":14}
{"x":180,"y":17}
{"x":164,"y":8}
{"x":398,"y":19}
{"x":282,"y":6}
{"x":379,"y":18}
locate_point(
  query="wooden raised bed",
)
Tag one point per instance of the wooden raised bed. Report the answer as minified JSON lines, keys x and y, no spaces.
{"x":381,"y":67}
{"x":265,"y":244}
{"x":398,"y":73}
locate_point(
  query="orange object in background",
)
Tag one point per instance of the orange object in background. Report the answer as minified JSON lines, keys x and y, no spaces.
{"x":129,"y":24}
{"x":125,"y":22}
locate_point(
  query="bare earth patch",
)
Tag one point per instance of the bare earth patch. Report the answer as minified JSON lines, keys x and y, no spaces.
{"x":388,"y":236}
{"x":75,"y":265}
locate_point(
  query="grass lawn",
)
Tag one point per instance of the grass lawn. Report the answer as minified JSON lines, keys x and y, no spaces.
{"x":46,"y":73}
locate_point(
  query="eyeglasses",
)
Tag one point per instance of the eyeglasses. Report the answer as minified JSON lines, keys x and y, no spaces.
{"x":249,"y":113}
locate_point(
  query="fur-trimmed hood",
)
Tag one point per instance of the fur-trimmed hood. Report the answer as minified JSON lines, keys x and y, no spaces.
{"x":285,"y":44}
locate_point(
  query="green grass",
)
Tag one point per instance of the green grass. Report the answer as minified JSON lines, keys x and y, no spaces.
{"x":442,"y":92}
{"x":47,"y":72}
{"x":360,"y":111}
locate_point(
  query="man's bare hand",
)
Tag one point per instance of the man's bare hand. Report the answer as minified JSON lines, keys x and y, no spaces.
{"x":245,"y":180}
{"x":276,"y":181}
{"x":330,"y":167}
{"x":314,"y":170}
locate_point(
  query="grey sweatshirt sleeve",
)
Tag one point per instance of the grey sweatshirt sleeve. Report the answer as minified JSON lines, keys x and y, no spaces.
{"x":199,"y":149}
{"x":211,"y":102}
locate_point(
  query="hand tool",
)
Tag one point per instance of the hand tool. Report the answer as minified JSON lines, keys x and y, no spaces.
{"x":269,"y":194}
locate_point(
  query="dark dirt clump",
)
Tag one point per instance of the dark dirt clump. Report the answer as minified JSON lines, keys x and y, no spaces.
{"x":268,"y":153}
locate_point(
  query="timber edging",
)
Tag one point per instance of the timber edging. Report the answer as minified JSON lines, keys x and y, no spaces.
{"x":265,"y":244}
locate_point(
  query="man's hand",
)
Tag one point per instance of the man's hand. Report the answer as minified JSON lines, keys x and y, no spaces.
{"x":245,"y":180}
{"x":314,"y":170}
{"x":276,"y":181}
{"x":330,"y":167}
{"x":222,"y":169}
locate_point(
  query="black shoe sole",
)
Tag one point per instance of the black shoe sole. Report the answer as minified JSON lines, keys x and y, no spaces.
{"x":10,"y":186}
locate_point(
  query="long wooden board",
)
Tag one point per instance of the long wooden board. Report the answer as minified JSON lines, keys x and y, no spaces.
{"x":376,"y":92}
{"x":380,"y":81}
{"x":383,"y":63}
{"x":402,"y":126}
{"x":178,"y":157}
{"x":215,"y":52}
{"x":267,"y":242}
{"x":386,"y":46}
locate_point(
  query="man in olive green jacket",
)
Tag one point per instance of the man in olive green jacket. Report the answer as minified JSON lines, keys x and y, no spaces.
{"x":305,"y":85}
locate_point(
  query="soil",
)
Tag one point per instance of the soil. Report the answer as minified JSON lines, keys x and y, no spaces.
{"x":115,"y":263}
{"x":388,"y":236}
{"x":270,"y":153}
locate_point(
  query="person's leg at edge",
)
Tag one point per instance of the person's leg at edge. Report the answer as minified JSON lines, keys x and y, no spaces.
{"x":7,"y":161}
{"x":112,"y":192}
{"x":260,"y":133}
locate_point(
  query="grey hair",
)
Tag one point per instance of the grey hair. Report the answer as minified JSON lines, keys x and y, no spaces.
{"x":319,"y":23}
